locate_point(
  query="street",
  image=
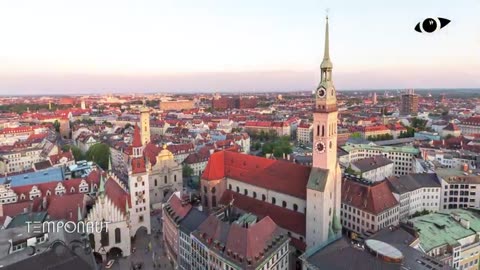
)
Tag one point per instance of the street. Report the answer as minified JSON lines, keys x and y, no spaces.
{"x":142,"y":254}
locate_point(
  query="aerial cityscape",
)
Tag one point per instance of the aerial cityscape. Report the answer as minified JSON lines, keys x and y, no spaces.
{"x":124,"y":170}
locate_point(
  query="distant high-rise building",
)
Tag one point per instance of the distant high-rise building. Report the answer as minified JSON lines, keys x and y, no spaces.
{"x":374,"y":98}
{"x":409,"y":103}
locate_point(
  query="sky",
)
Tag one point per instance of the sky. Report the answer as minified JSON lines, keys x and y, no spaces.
{"x":92,"y":46}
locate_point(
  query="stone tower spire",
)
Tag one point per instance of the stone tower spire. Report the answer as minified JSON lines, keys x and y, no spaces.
{"x":326,"y":54}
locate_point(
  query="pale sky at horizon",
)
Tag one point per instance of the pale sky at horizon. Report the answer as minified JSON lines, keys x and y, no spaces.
{"x":60,"y":46}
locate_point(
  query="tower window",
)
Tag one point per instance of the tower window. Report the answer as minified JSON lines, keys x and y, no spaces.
{"x":318,"y":130}
{"x":284,"y":204}
{"x":323,"y":130}
{"x":295,"y":207}
{"x":273,"y":200}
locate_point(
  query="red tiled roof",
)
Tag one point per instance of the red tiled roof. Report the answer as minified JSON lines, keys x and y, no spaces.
{"x":22,"y":129}
{"x":180,"y":209}
{"x":117,"y":194}
{"x":451,"y":127}
{"x":374,"y":198}
{"x":282,"y":176}
{"x":474,"y":121}
{"x":55,"y":159}
{"x":249,"y":242}
{"x":137,"y":141}
{"x":375,"y":128}
{"x":285,"y":218}
{"x":66,"y":206}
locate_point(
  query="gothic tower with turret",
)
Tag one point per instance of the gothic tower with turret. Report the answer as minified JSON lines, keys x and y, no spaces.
{"x":324,"y":185}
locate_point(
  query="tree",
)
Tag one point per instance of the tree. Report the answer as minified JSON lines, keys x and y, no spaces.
{"x":100,"y":154}
{"x":187,"y":171}
{"x":77,"y":153}
{"x":256,"y":145}
{"x":278,"y":147}
{"x":419,"y":124}
{"x":56,"y":125}
{"x":356,"y":135}
{"x":408,"y":134}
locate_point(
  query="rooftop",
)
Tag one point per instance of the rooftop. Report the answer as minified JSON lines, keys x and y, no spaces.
{"x":54,"y":174}
{"x":382,"y":149}
{"x":371,"y":163}
{"x":446,"y":227}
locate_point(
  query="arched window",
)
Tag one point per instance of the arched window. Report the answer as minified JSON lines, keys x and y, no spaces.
{"x":273,"y":200}
{"x":205,"y":189}
{"x":263,"y":197}
{"x":91,"y":238}
{"x":214,"y":201}
{"x":230,"y":186}
{"x":205,"y":200}
{"x":156,"y":182}
{"x":175,"y":178}
{"x":238,"y":190}
{"x":165,"y":179}
{"x":295,"y":207}
{"x":245,"y":191}
{"x":118,"y":237}
{"x":284,"y":204}
{"x":104,"y":237}
{"x":254,"y":195}
{"x":323,"y":130}
{"x":213,"y":190}
{"x":318,"y":130}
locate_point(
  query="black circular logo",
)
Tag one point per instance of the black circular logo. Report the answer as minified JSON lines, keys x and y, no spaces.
{"x":429,"y":25}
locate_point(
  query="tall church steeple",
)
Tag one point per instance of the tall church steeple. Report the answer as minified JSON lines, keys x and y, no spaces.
{"x":325,"y":114}
{"x":326,"y":100}
{"x":323,"y":195}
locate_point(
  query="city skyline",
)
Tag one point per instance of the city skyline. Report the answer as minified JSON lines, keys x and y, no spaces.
{"x":56,"y":48}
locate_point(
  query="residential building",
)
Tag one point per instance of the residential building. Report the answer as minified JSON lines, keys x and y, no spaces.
{"x":451,"y":130}
{"x":176,"y":105}
{"x":451,"y":236}
{"x":416,"y":193}
{"x":305,"y":133}
{"x":245,"y":244}
{"x":460,"y":189}
{"x":367,"y":207}
{"x":373,"y":169}
{"x":470,"y":125}
{"x":403,"y":157}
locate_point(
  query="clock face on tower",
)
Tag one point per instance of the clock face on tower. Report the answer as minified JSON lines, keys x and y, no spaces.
{"x":139,"y":179}
{"x":320,"y":147}
{"x":321,"y":92}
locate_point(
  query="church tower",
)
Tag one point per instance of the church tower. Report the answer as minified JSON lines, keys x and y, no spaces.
{"x":324,"y":184}
{"x":145,"y":124}
{"x":325,"y":115}
{"x":138,"y":187}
